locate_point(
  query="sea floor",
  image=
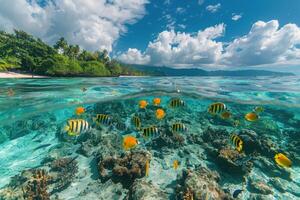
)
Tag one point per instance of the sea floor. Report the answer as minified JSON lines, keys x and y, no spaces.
{"x":38,"y":160}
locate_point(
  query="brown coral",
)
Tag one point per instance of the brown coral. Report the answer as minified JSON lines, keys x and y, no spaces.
{"x":64,"y":171}
{"x":124,"y":169}
{"x":188,"y":194}
{"x":200,"y":184}
{"x":232,"y":161}
{"x":36,"y":188}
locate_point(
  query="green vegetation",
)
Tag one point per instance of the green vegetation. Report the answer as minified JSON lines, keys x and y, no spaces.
{"x":24,"y":52}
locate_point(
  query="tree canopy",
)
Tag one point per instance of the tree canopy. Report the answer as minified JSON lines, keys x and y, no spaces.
{"x":25,"y":52}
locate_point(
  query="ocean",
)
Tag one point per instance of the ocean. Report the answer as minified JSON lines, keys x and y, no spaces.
{"x":95,"y":164}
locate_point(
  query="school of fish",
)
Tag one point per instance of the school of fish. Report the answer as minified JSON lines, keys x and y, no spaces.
{"x":75,"y":127}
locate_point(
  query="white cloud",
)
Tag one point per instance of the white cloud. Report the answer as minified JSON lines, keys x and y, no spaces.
{"x":177,"y":49}
{"x":134,"y":56}
{"x":213,"y":8}
{"x":265,"y":44}
{"x":236,"y":17}
{"x":93,"y":24}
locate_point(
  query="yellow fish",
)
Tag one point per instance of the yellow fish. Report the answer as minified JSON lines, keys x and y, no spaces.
{"x":77,"y":126}
{"x":282,"y":160}
{"x":217,"y":108}
{"x":160,"y":114}
{"x":129,"y":142}
{"x":147,"y":167}
{"x":179,"y":127}
{"x":79,"y":110}
{"x":103,"y":119}
{"x":237,"y":141}
{"x":156,"y":101}
{"x":136,"y":121}
{"x":150,"y":132}
{"x":226,"y":115}
{"x":258,"y":109}
{"x":175,"y":164}
{"x":176,"y":102}
{"x":251,"y":117}
{"x":143,"y":104}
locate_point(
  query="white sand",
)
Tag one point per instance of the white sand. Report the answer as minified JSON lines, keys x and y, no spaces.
{"x":18,"y":75}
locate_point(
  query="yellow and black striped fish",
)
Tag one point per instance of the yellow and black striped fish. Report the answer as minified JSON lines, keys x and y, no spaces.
{"x":77,"y":126}
{"x":179,"y":127}
{"x":103,"y":119}
{"x":237,"y":141}
{"x":176,"y":102}
{"x":217,"y":108}
{"x":151,"y":131}
{"x":136,"y":121}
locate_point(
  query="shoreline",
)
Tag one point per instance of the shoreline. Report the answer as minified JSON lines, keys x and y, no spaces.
{"x":19,"y":75}
{"x":26,"y":75}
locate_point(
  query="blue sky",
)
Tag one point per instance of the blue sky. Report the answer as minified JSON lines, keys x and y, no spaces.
{"x":195,"y":17}
{"x":211,"y":34}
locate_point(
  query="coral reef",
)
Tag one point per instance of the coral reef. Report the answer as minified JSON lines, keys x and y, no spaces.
{"x":124,"y":169}
{"x":260,"y":187}
{"x":10,"y":193}
{"x":142,"y":189}
{"x":234,"y":162}
{"x":166,"y":139}
{"x":29,"y":185}
{"x":200,"y":184}
{"x":102,"y":144}
{"x":36,"y":187}
{"x":63,"y":171}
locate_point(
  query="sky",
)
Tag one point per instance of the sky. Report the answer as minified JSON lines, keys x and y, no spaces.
{"x":209,"y":34}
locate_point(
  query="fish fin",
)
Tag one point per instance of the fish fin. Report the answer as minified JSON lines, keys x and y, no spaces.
{"x":66,"y":128}
{"x":70,"y":133}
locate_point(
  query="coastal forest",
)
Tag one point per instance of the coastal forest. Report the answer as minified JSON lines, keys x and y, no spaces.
{"x":21,"y":51}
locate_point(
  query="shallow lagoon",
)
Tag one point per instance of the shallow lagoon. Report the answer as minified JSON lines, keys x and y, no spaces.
{"x":32,"y":120}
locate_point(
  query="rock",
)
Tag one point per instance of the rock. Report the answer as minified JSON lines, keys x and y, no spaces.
{"x":260,"y":187}
{"x":124,"y":169}
{"x":232,"y":161}
{"x":63,"y":172}
{"x":142,"y":190}
{"x":200,"y":184}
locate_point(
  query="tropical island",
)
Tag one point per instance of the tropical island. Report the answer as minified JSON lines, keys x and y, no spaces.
{"x":21,"y":51}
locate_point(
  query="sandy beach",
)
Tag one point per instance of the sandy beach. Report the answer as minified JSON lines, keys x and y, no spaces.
{"x":18,"y":75}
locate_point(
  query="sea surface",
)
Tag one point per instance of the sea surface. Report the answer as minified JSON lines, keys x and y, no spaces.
{"x":33,"y":114}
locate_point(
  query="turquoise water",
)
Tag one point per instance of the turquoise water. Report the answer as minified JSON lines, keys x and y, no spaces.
{"x":32,"y":120}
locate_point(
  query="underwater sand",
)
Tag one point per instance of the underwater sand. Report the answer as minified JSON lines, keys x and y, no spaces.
{"x":33,"y":117}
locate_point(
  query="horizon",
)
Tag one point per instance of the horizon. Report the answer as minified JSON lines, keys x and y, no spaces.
{"x":216,"y":35}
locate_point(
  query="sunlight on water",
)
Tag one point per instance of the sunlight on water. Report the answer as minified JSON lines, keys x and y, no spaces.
{"x":33,"y":118}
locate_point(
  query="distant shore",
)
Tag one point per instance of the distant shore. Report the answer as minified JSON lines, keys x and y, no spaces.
{"x":19,"y":75}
